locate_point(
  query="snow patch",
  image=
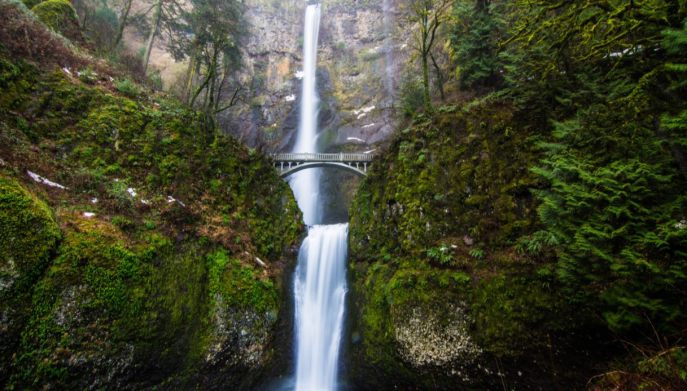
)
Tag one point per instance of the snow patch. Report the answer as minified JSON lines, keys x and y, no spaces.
{"x":67,"y":71}
{"x":94,"y":201}
{"x":299,"y":75}
{"x":364,"y":111}
{"x":290,"y":98}
{"x":145,"y":202}
{"x":88,"y":215}
{"x":171,"y":199}
{"x":131,"y":191}
{"x":355,"y":139}
{"x":369,"y":125}
{"x":79,"y":73}
{"x":44,"y":181}
{"x":631,"y":50}
{"x":370,"y":151}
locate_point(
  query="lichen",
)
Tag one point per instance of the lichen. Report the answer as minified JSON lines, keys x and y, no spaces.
{"x":428,"y":338}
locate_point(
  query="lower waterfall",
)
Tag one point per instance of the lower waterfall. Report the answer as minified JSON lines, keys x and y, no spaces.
{"x":320,"y":290}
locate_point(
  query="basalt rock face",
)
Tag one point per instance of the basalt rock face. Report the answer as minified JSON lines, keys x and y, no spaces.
{"x":359,"y":62}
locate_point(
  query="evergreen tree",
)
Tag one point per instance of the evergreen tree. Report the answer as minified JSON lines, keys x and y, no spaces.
{"x":616,"y":208}
{"x":475,"y":32}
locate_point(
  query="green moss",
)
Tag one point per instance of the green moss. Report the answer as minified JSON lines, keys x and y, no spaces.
{"x":28,"y":237}
{"x":28,"y":233}
{"x":59,"y":15}
{"x":240,"y":286}
{"x":120,"y":295}
{"x":437,"y":221}
{"x":513,"y":312}
{"x":99,"y":296}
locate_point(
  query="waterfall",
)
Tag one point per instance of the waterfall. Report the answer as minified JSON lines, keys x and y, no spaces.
{"x":305,"y":184}
{"x":320,"y":289}
{"x":320,"y":279}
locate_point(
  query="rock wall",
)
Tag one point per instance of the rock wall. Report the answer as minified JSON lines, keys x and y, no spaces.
{"x":359,"y":62}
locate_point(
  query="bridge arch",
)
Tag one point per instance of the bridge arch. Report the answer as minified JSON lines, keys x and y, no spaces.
{"x":289,"y":163}
{"x":304,"y":166}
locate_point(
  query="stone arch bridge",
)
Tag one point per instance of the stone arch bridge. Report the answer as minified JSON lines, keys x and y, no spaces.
{"x":289,"y":163}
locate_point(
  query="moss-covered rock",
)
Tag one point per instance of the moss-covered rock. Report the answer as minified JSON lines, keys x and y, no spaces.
{"x":92,"y":314}
{"x":244,"y":308}
{"x":176,"y":239}
{"x":60,"y":16}
{"x":28,"y":237}
{"x":447,"y":290}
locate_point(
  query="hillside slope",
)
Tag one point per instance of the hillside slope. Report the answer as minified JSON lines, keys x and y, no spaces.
{"x":140,"y":248}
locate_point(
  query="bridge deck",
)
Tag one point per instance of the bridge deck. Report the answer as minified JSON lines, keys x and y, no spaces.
{"x":322,"y":157}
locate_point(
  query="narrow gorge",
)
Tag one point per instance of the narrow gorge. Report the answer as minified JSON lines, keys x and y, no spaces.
{"x":343,"y":195}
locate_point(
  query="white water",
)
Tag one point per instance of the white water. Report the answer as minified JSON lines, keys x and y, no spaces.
{"x":320,"y":280}
{"x":305,"y":184}
{"x":320,"y":289}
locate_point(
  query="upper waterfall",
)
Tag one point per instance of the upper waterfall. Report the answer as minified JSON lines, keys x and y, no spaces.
{"x":305,"y":184}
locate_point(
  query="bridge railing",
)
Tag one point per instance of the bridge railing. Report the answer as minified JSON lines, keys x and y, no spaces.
{"x":322,"y":157}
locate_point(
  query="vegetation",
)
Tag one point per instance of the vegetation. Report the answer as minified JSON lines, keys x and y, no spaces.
{"x":60,"y":16}
{"x":554,"y":179}
{"x":526,"y":229}
{"x":132,"y":263}
{"x":428,"y":16}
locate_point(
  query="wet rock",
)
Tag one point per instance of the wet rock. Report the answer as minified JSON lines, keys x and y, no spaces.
{"x":239,"y":337}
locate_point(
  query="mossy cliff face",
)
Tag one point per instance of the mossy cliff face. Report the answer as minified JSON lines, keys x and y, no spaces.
{"x":150,"y":252}
{"x":444,"y":295}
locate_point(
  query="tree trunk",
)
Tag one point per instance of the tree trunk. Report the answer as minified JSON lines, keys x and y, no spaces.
{"x":425,"y":82}
{"x":153,"y":32}
{"x":122,"y":23}
{"x":440,"y":77}
{"x":192,"y":63}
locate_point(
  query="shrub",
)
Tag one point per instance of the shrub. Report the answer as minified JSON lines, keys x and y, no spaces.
{"x":411,"y":95}
{"x":441,"y":254}
{"x":60,"y":16}
{"x":88,"y":76}
{"x":127,"y":87}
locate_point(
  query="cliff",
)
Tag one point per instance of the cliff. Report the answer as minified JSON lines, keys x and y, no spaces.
{"x":359,"y":66}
